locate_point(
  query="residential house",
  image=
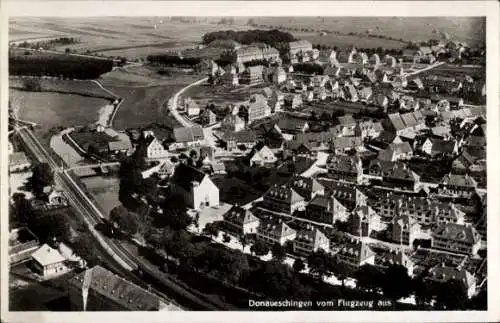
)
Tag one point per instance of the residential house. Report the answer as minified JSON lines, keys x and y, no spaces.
{"x":277,"y":101}
{"x":155,"y":150}
{"x":385,"y":259}
{"x":355,"y":254}
{"x":275,"y":231}
{"x":192,"y":108}
{"x":10,"y":148}
{"x":186,"y":137}
{"x":346,"y":168}
{"x":396,"y":151}
{"x":308,"y":96}
{"x":306,"y":187}
{"x":252,"y":75}
{"x":404,"y":229}
{"x":284,"y":199}
{"x":18,"y":162}
{"x":245,"y":138}
{"x":247,"y":54}
{"x":241,"y":221}
{"x":368,"y":129}
{"x":401,"y":177}
{"x":443,"y":213}
{"x":97,"y":289}
{"x":342,"y":145}
{"x":232,"y":123}
{"x":258,"y":108}
{"x":457,"y":186}
{"x":310,"y":240}
{"x":349,"y":194}
{"x":278,"y":75}
{"x":293,"y":101}
{"x":365,"y":94}
{"x":364,"y":220}
{"x":404,"y":125}
{"x":462,"y":163}
{"x":207,"y":117}
{"x":441,"y":274}
{"x":408,"y":103}
{"x":326,"y":209}
{"x":261,"y":155}
{"x":293,"y":125}
{"x":347,"y":124}
{"x":442,"y":132}
{"x":195,"y":187}
{"x":435,"y":146}
{"x":381,"y":100}
{"x":456,"y":238}
{"x":350,"y":93}
{"x":231,"y":79}
{"x":48,"y":262}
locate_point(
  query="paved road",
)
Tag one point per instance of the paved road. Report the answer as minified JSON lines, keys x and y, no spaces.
{"x":423,"y":69}
{"x":172,"y":104}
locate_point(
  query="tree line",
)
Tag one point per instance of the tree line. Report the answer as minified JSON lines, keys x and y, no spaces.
{"x":269,"y":37}
{"x":174,"y":60}
{"x":59,"y":66}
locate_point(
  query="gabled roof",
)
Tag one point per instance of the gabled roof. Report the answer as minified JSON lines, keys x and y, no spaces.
{"x":310,"y":235}
{"x":245,"y":136}
{"x":445,"y":273}
{"x":460,"y":232}
{"x":117,"y":289}
{"x":344,"y":163}
{"x":359,"y":250}
{"x":292,"y":124}
{"x":184,"y":176}
{"x":276,"y":228}
{"x":305,"y":184}
{"x":284,"y":193}
{"x":47,"y":255}
{"x":396,"y":121}
{"x":239,"y":215}
{"x":459,"y":180}
{"x":400,"y":171}
{"x":443,"y":146}
{"x":347,"y":142}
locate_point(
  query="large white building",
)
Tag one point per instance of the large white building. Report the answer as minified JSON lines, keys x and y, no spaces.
{"x":196,"y":187}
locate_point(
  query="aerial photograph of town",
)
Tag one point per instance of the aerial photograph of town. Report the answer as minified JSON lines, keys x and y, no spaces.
{"x":247,"y":164}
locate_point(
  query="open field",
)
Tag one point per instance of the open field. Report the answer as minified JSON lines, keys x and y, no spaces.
{"x":219,"y":95}
{"x":348,"y":41}
{"x":143,"y":106}
{"x":115,"y":36}
{"x":104,"y":191}
{"x":470,"y":30}
{"x":81,"y":88}
{"x":50,"y":109}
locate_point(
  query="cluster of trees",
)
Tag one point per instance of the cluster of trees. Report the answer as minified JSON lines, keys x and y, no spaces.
{"x":50,"y":43}
{"x":308,"y":68}
{"x":174,"y":60}
{"x":59,"y":65}
{"x":45,"y":227}
{"x":269,"y":37}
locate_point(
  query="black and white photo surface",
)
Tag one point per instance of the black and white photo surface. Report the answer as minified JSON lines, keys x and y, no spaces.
{"x":247,"y":163}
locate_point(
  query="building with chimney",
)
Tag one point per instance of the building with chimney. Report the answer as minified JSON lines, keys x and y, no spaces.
{"x":283,"y":198}
{"x":310,"y":240}
{"x":456,"y":238}
{"x":275,"y":231}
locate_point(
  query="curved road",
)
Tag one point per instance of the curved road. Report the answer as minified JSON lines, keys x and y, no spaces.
{"x":172,"y":103}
